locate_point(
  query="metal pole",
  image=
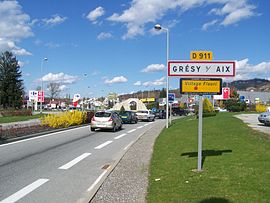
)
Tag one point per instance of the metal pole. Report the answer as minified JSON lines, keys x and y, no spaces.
{"x":170,"y":114}
{"x":200,"y":134}
{"x":167,"y":82}
{"x":41,"y":67}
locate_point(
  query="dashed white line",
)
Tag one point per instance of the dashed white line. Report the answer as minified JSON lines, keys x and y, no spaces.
{"x":122,"y":135}
{"x":128,"y":145}
{"x":103,"y":145}
{"x":140,"y":127}
{"x":24,"y":191}
{"x":74,"y":161}
{"x":131,"y":131}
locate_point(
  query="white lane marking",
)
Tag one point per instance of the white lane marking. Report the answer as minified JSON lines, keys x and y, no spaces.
{"x":24,"y":191}
{"x":118,"y":137}
{"x":42,"y":136}
{"x":97,"y":180}
{"x":74,"y":161}
{"x":140,"y":127}
{"x":131,"y":131}
{"x":128,"y":145}
{"x":146,"y":124}
{"x":103,"y":145}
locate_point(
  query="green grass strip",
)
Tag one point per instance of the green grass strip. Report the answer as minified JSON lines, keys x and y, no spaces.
{"x":10,"y":119}
{"x":236,"y":163}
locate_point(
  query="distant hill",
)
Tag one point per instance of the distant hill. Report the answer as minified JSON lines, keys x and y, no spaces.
{"x":260,"y":85}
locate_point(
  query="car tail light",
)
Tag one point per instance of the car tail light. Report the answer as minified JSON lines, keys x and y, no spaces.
{"x":110,"y":119}
{"x":93,"y":118}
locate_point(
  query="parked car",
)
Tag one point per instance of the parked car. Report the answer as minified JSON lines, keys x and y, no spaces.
{"x":264,"y":118}
{"x":106,"y":120}
{"x":145,"y":115}
{"x":128,"y":116}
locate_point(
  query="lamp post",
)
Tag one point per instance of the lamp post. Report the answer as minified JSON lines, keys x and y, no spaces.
{"x":158,"y":27}
{"x":44,"y":59}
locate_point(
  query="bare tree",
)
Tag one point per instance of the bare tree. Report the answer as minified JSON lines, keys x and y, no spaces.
{"x":54,"y":90}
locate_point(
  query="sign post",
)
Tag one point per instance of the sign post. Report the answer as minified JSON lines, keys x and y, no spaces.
{"x":200,"y":134}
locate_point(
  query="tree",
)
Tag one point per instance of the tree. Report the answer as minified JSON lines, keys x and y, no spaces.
{"x":163,"y":93}
{"x":11,"y":84}
{"x":54,"y":89}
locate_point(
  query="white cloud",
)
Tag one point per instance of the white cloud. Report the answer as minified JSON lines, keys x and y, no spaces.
{"x":54,"y":20}
{"x":158,"y":82}
{"x":208,"y":24}
{"x":60,"y":78}
{"x":138,"y":14}
{"x":153,"y":68}
{"x":14,"y":27}
{"x":104,"y":35}
{"x":138,"y":83}
{"x":244,"y":70}
{"x":118,"y":79}
{"x":235,"y":10}
{"x":95,"y":14}
{"x":63,"y":87}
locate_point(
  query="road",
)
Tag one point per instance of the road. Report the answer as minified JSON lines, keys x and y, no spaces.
{"x":66,"y":166}
{"x":252,"y":121}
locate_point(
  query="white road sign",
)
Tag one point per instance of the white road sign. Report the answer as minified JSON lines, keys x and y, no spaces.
{"x":201,"y":68}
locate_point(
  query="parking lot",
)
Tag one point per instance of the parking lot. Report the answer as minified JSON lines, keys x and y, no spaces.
{"x":252,"y":121}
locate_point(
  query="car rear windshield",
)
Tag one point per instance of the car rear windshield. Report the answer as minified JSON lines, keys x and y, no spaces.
{"x":124,"y":113}
{"x":102,"y":114}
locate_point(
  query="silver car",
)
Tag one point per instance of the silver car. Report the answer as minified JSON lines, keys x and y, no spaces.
{"x":106,"y":120}
{"x":264,"y":118}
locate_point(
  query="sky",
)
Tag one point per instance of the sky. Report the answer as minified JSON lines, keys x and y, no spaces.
{"x":93,"y":47}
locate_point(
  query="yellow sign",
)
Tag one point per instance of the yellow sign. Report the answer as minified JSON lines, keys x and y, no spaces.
{"x":201,"y":55}
{"x":208,"y":86}
{"x":148,"y":99}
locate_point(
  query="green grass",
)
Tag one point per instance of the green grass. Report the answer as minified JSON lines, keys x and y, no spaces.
{"x":10,"y":119}
{"x":236,"y":167}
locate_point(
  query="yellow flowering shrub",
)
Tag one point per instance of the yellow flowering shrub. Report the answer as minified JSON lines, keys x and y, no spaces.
{"x":64,"y":120}
{"x":261,"y":108}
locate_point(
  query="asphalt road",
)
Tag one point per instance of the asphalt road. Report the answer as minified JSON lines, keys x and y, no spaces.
{"x":252,"y":121}
{"x":66,"y":166}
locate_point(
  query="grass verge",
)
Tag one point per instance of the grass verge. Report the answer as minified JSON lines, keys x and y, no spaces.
{"x":10,"y":119}
{"x":235,"y":168}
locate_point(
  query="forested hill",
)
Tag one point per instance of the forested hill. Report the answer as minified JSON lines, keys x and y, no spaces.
{"x":256,"y":84}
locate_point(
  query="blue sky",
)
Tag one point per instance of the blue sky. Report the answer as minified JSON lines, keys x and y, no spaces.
{"x":96,"y":47}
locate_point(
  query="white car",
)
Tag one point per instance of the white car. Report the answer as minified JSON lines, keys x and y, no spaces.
{"x":106,"y":120}
{"x":145,"y":115}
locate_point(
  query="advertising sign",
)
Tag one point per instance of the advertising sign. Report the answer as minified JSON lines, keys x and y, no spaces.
{"x":33,"y":95}
{"x":201,"y":68}
{"x":225,"y":94}
{"x":171,"y":97}
{"x":40,"y":97}
{"x":200,"y":86}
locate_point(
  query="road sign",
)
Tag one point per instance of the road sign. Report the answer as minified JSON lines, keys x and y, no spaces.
{"x":40,"y":97}
{"x":171,"y":97}
{"x":201,"y":68}
{"x":199,"y":86}
{"x":201,"y":55}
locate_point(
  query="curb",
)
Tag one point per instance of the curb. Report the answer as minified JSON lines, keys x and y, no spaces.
{"x":88,"y":196}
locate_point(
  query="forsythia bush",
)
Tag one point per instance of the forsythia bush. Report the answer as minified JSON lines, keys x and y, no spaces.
{"x":64,"y":120}
{"x":207,"y":106}
{"x":260,"y":108}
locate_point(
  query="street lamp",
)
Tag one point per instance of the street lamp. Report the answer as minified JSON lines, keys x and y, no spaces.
{"x":158,"y":27}
{"x":44,"y":59}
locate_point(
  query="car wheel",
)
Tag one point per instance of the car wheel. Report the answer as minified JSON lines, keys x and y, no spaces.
{"x":120,"y":127}
{"x":92,"y":129}
{"x":114,"y":128}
